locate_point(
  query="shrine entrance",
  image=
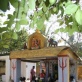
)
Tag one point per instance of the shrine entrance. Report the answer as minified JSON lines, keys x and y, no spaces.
{"x":50,"y":67}
{"x":54,"y":60}
{"x":55,"y":71}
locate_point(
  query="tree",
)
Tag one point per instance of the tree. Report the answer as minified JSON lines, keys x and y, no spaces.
{"x":67,"y":12}
{"x":17,"y":42}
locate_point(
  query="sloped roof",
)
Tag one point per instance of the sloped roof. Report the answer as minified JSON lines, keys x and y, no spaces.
{"x":40,"y":53}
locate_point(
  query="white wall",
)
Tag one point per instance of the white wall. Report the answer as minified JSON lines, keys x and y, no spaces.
{"x":28,"y":68}
{"x":6,"y":77}
{"x":25,"y":69}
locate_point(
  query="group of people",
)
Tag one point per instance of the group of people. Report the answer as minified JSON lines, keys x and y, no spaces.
{"x":42,"y":76}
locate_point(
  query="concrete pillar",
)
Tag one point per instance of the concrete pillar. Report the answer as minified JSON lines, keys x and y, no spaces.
{"x":7,"y":72}
{"x":15,"y":69}
{"x":63,"y":69}
{"x":18,"y":70}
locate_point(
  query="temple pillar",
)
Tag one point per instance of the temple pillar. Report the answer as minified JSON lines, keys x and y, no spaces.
{"x":15,"y":70}
{"x":63,"y":68}
{"x":7,"y":72}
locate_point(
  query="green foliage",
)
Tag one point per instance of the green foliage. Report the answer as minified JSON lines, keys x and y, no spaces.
{"x":5,"y":46}
{"x":11,"y":20}
{"x":14,"y":3}
{"x":78,"y":16}
{"x":20,"y":41}
{"x":52,"y":2}
{"x":23,"y":22}
{"x":13,"y":41}
{"x":14,"y":36}
{"x":4,"y":5}
{"x":43,"y":9}
{"x":71,"y":8}
{"x":3,"y":29}
{"x":32,"y":4}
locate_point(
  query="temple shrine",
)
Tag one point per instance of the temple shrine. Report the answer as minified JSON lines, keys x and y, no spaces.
{"x":59,"y":61}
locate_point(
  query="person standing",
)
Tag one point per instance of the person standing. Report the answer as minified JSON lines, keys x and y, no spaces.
{"x":42,"y":76}
{"x":32,"y":74}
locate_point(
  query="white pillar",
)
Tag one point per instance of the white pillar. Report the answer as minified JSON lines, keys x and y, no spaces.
{"x":7,"y":72}
{"x":63,"y":69}
{"x":15,"y":69}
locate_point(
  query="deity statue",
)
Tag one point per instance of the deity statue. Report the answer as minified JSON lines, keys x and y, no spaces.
{"x":35,"y":43}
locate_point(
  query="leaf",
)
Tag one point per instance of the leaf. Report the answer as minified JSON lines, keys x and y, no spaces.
{"x":6,"y":22}
{"x":23,"y":22}
{"x":61,"y":23}
{"x":61,"y":29}
{"x":40,"y":23}
{"x":54,"y":9}
{"x":56,"y":31}
{"x":48,"y":14}
{"x":32,"y":4}
{"x":15,"y":36}
{"x":23,"y":16}
{"x":68,"y":3}
{"x":80,"y":28}
{"x":9,"y":16}
{"x":62,"y":11}
{"x":6,"y":46}
{"x":26,"y":8}
{"x":40,"y":12}
{"x":71,"y":9}
{"x":71,"y":32}
{"x":41,"y":4}
{"x":32,"y":25}
{"x":67,"y":29}
{"x":44,"y":8}
{"x":75,"y":26}
{"x":35,"y":20}
{"x":3,"y":29}
{"x":78,"y":16}
{"x":70,"y":19}
{"x":6,"y":35}
{"x":4,"y":5}
{"x":11,"y":20}
{"x":17,"y":26}
{"x":20,"y":12}
{"x":14,"y":3}
{"x":52,"y":2}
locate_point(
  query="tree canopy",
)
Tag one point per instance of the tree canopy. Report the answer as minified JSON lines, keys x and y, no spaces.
{"x":35,"y":12}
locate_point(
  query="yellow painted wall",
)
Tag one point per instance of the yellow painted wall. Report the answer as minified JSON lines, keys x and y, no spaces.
{"x":79,"y":72}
